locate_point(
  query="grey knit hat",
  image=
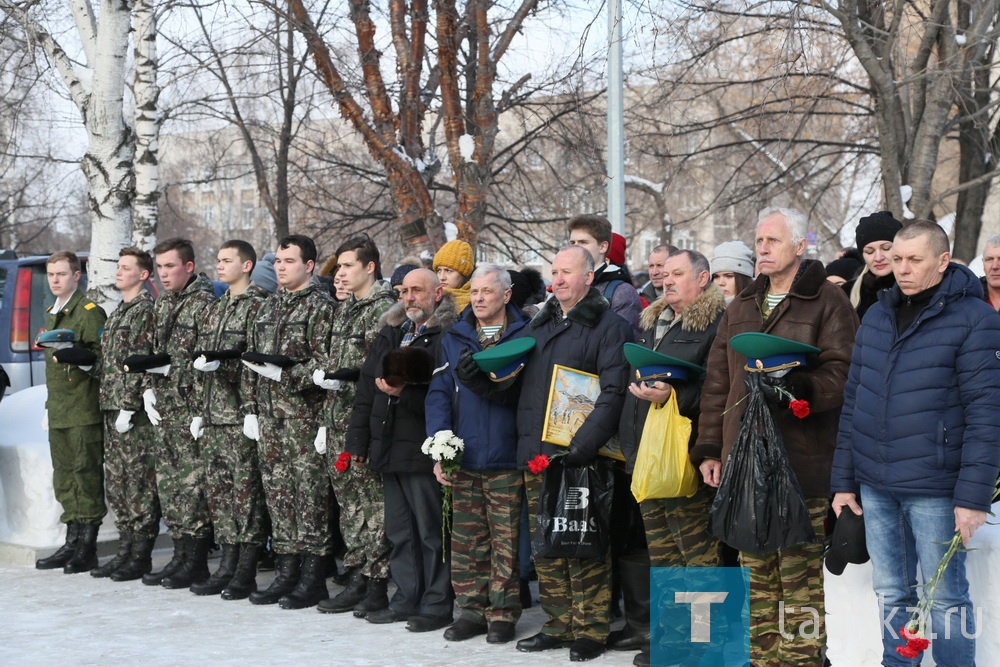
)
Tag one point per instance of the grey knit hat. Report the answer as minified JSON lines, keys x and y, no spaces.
{"x":732,"y":256}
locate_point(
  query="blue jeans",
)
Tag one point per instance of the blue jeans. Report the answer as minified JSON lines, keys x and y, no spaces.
{"x":904,"y":530}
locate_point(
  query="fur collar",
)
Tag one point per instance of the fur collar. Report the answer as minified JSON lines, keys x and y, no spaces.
{"x":806,"y":285}
{"x":588,"y":312}
{"x":698,"y":316}
{"x":444,"y":314}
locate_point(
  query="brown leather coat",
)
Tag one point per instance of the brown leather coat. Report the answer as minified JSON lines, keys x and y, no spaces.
{"x":814,"y":312}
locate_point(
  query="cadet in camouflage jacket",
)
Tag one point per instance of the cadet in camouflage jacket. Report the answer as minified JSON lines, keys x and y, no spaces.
{"x":129,"y":457}
{"x":296,"y":488}
{"x":180,"y":321}
{"x":233,"y":485}
{"x":358,"y":489}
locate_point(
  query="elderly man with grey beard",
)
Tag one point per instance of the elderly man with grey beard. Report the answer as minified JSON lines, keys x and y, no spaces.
{"x":385,"y":432}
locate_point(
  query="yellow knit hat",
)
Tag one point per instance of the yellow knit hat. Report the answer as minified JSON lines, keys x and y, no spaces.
{"x":456,"y":255}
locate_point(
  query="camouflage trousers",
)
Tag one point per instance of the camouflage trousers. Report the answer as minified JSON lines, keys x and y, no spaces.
{"x":786,"y":600}
{"x":574,"y":593}
{"x":361,"y":498}
{"x":677,"y":530}
{"x":77,"y":472}
{"x":296,"y":486}
{"x":232,"y":485}
{"x":486,"y":522}
{"x":130,"y":475}
{"x":180,"y":479}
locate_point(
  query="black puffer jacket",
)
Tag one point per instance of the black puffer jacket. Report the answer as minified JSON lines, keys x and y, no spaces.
{"x":689,"y":338}
{"x":387,"y":430}
{"x":589,"y":339}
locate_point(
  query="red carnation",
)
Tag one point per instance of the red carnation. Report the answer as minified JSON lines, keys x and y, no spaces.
{"x":799,"y":408}
{"x":907,"y":651}
{"x":343,"y":461}
{"x":914,"y":640}
{"x":538,"y":464}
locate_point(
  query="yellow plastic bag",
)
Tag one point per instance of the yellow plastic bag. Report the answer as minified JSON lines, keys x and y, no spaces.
{"x":662,"y":466}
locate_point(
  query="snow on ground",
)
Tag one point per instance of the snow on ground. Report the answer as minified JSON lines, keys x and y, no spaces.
{"x":53,"y":619}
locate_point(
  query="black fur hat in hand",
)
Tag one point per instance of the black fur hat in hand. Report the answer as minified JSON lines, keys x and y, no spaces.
{"x":408,"y":365}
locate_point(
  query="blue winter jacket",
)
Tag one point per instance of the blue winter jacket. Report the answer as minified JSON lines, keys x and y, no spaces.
{"x":488,"y":427}
{"x":921,"y":410}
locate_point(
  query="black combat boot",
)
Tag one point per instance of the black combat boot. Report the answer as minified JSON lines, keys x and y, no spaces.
{"x":634,"y":636}
{"x":376,"y":598}
{"x":287,"y":567}
{"x":348,"y":598}
{"x":120,"y":558}
{"x":85,"y":557}
{"x":195,"y":567}
{"x":244,"y":581}
{"x":65,"y":552}
{"x":311,"y":587}
{"x":156,"y":578}
{"x":140,"y":561}
{"x":222,"y":576}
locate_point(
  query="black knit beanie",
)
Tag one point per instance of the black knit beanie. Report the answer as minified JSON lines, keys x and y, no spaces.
{"x":879,"y":226}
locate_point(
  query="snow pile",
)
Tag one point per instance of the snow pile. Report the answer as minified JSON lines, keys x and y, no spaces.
{"x":30,"y":513}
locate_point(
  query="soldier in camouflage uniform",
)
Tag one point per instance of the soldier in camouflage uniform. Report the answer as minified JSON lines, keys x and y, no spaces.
{"x":171,"y":402}
{"x":488,"y":490}
{"x":681,"y":324}
{"x":358,"y":489}
{"x":73,"y":416}
{"x":233,"y":484}
{"x":289,"y":342}
{"x":129,"y":451}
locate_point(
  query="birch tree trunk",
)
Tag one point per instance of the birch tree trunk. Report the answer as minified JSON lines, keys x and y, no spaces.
{"x":145,"y":208}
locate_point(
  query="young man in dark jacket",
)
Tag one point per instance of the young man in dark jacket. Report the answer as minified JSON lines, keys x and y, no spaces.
{"x":918,"y":437}
{"x":487,"y":490}
{"x":385,"y":432}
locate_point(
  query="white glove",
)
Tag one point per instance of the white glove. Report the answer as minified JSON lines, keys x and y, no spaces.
{"x":203,"y":364}
{"x":149,"y":405}
{"x":251,"y":428}
{"x":160,"y":370}
{"x":45,"y":420}
{"x":319,"y":379}
{"x":270,"y":371}
{"x":85,"y":369}
{"x":123,"y":424}
{"x":320,"y":441}
{"x":197,"y":427}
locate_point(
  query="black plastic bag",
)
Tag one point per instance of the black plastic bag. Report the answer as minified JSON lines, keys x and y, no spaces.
{"x":759,"y":507}
{"x":574,"y":511}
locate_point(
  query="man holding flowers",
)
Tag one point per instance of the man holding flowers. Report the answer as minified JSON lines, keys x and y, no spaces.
{"x":918,"y":443}
{"x":487,"y":488}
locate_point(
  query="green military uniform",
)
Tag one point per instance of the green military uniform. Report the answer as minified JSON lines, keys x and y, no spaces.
{"x":233,"y":487}
{"x":296,"y":486}
{"x":74,"y":416}
{"x":180,"y":471}
{"x":128,"y":464}
{"x":359,"y":490}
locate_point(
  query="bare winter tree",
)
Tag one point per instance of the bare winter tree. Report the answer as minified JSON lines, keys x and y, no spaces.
{"x":460,"y":47}
{"x":96,"y":84}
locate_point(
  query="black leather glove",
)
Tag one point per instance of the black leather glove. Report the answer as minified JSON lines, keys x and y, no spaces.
{"x":75,"y":356}
{"x":344,"y":374}
{"x":468,"y":370}
{"x":771,"y":388}
{"x":576,"y":458}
